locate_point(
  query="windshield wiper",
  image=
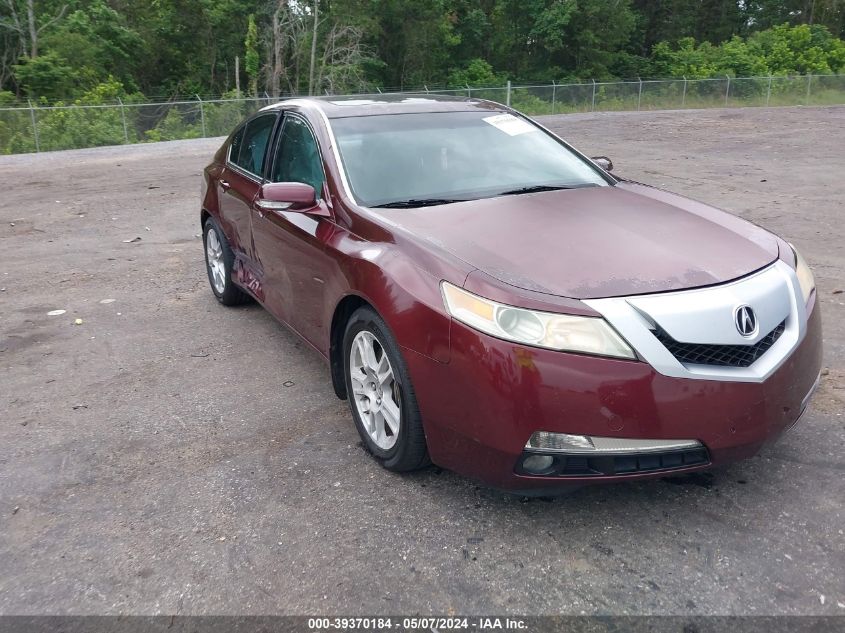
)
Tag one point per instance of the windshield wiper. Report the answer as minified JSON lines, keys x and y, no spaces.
{"x":539,"y":188}
{"x":413,"y":204}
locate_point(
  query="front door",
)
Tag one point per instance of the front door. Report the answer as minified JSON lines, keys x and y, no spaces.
{"x":291,"y":246}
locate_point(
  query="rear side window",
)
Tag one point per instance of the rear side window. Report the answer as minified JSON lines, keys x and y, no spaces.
{"x":235,"y":147}
{"x":253,"y":145}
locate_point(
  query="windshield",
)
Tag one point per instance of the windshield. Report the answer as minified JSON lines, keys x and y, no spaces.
{"x":434,"y":158}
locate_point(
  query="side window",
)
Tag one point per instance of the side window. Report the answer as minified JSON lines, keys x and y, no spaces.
{"x":297,"y":157}
{"x":235,"y":146}
{"x":254,"y":144}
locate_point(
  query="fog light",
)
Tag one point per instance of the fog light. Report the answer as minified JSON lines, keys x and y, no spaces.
{"x":538,"y":464}
{"x":560,"y":442}
{"x":595,"y":445}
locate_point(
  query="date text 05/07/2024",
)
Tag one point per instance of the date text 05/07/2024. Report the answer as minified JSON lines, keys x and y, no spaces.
{"x":416,"y":623}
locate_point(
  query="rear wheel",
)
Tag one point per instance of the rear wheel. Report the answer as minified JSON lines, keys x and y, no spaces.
{"x":380,"y":394}
{"x":219,"y":262}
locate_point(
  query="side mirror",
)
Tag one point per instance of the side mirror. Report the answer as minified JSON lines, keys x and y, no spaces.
{"x":604,"y":162}
{"x":287,"y":196}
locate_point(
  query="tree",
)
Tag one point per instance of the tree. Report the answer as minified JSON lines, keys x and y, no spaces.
{"x":23,"y":20}
{"x":47,"y":76}
{"x":413,"y":39}
{"x":798,"y":49}
{"x":100,"y":43}
{"x":764,"y":14}
{"x":251,"y":60}
{"x":170,"y":48}
{"x":782,"y":50}
{"x":339,"y":56}
{"x":476,"y":73}
{"x":21,"y":25}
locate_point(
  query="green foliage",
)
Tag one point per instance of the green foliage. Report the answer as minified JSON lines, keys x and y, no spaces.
{"x":176,"y":125}
{"x":476,"y":73}
{"x":414,"y":39}
{"x":96,"y":51}
{"x":68,"y":126}
{"x":99,"y":42}
{"x":165,"y":48}
{"x":48,"y":76}
{"x":782,"y":50}
{"x":799,"y":49}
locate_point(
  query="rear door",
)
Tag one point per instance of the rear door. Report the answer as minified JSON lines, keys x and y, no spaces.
{"x":242,"y":178}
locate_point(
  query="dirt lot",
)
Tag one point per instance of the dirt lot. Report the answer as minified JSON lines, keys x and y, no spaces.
{"x":169,"y":455}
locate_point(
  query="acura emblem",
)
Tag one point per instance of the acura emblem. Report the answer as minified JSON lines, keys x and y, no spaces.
{"x":746,"y":321}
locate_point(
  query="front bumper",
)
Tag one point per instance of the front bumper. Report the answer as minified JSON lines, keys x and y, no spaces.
{"x":480,"y":410}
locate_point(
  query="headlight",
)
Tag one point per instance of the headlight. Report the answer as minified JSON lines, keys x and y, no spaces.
{"x":588,"y":335}
{"x":805,"y":275}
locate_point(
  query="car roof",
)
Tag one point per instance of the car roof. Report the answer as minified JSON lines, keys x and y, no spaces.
{"x":379,"y":104}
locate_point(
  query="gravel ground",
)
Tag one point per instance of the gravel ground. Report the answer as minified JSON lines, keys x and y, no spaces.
{"x":169,"y":455}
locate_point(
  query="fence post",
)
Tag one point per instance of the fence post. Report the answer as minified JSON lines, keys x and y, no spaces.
{"x":640,"y":94}
{"x":379,"y":89}
{"x":34,"y":126}
{"x":469,"y":91}
{"x":809,"y":83}
{"x":123,"y":116}
{"x":769,"y":91}
{"x":554,"y":95}
{"x":684,"y":97}
{"x":202,"y":115}
{"x":508,"y":102}
{"x":426,"y":88}
{"x":593,"y":109}
{"x":727,"y":90}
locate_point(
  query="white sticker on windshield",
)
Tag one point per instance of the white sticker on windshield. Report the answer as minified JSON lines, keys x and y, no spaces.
{"x":509,"y":124}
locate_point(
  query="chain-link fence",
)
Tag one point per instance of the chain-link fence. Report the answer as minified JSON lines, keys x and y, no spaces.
{"x":27,"y":127}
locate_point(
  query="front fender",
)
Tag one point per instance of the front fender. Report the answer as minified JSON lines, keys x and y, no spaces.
{"x":406,"y":295}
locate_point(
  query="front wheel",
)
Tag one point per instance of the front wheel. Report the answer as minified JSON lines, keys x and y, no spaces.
{"x":380,"y":394}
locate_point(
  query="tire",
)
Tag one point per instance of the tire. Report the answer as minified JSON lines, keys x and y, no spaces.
{"x":219,"y":267}
{"x":401,"y":450}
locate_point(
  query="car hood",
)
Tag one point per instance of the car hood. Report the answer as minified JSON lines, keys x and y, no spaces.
{"x":595,"y":242}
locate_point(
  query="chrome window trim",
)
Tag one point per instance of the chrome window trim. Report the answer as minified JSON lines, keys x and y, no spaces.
{"x":633,"y":323}
{"x":246,"y":174}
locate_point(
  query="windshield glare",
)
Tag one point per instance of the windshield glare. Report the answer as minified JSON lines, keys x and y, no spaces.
{"x":452,"y":156}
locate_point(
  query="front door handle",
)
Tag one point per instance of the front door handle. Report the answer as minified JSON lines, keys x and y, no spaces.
{"x":226,"y":185}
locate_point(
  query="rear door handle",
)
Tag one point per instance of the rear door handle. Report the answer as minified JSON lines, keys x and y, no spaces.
{"x":226,"y":185}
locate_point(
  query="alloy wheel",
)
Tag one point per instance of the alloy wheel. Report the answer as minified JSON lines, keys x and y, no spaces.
{"x":375,"y":390}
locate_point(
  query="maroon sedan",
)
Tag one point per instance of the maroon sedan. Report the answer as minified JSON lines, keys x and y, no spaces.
{"x":490,"y":300}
